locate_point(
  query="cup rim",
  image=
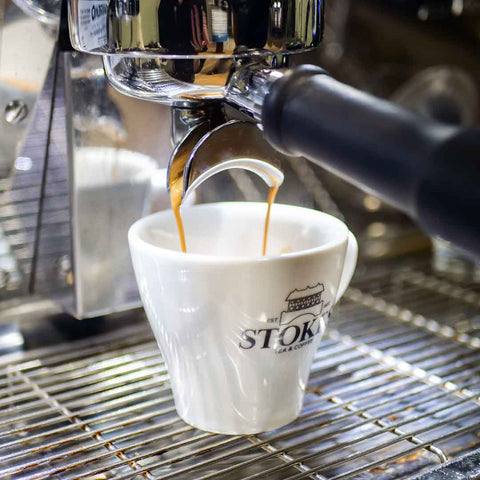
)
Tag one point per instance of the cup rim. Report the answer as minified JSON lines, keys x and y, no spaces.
{"x":136,"y":241}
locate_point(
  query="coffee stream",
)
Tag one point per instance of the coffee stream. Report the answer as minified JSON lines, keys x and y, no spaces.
{"x":176,"y":201}
{"x":176,"y":187}
{"x":271,"y":198}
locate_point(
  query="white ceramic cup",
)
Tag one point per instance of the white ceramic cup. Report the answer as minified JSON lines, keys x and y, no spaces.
{"x":238,"y":331}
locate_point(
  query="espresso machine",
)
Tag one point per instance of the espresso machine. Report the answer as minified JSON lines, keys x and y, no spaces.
{"x":101,"y":98}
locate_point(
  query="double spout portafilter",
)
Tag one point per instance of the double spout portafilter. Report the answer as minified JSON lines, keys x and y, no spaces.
{"x":191,"y":53}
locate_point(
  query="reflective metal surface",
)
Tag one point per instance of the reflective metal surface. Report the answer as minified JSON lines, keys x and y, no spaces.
{"x":181,"y":154}
{"x":73,"y":184}
{"x":25,"y":52}
{"x":45,"y":11}
{"x":119,"y":152}
{"x":175,"y":82}
{"x":181,"y":52}
{"x":195,"y":29}
{"x":248,"y":87}
{"x":182,"y":83}
{"x":26,"y":49}
{"x":234,"y":145}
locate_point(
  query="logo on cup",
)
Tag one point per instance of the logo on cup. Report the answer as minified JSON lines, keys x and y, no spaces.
{"x":297,"y":326}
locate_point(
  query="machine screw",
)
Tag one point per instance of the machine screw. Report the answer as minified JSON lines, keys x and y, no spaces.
{"x":16,"y":111}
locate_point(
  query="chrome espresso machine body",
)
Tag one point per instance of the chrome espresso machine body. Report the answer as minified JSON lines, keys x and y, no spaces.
{"x":94,"y":114}
{"x":78,"y":145}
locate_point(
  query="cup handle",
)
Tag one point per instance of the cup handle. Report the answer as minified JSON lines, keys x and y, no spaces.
{"x":348,"y":266}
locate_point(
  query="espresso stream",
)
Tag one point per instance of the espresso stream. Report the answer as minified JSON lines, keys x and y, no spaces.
{"x":176,"y":187}
{"x":176,"y":200}
{"x":271,"y":198}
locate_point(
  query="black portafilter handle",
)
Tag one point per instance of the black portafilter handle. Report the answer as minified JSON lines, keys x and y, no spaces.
{"x":429,"y":170}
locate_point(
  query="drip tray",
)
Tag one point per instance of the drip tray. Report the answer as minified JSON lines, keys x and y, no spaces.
{"x":393,"y":393}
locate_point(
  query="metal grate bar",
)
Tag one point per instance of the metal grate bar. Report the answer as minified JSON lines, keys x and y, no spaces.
{"x":371,"y":450}
{"x":400,"y":365}
{"x":86,"y":376}
{"x":114,"y":381}
{"x":96,"y":410}
{"x":283,"y":455}
{"x":374,"y":464}
{"x":81,"y":436}
{"x":64,"y":353}
{"x":379,"y":421}
{"x":355,"y":412}
{"x":100,"y":442}
{"x":106,"y":406}
{"x":419,"y":279}
{"x":173,"y":446}
{"x":406,"y":315}
{"x":413,"y":353}
{"x":430,"y":296}
{"x":73,"y":418}
{"x":297,"y":431}
{"x":427,"y":304}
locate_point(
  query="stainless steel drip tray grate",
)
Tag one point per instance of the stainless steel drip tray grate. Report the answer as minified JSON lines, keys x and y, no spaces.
{"x":392,"y":392}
